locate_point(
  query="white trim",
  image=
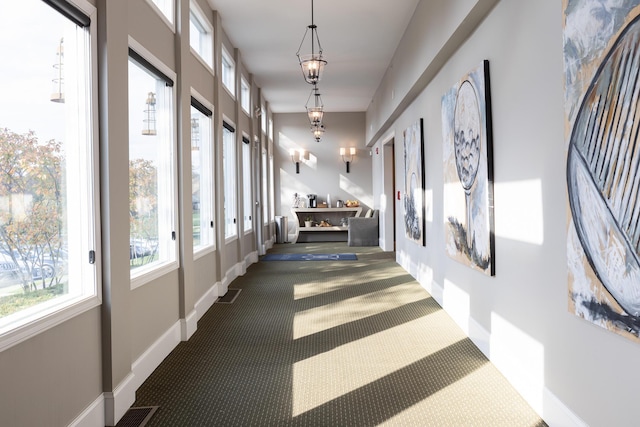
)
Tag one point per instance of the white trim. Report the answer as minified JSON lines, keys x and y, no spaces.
{"x":188,"y":326}
{"x":196,"y":10}
{"x":154,"y":60}
{"x":197,"y":56}
{"x":92,"y":416}
{"x":552,"y":409}
{"x":250,"y":258}
{"x":152,"y":273}
{"x":162,"y":16}
{"x":556,"y":413}
{"x":118,"y":402}
{"x":232,"y":274}
{"x":206,"y":250}
{"x":155,"y":354}
{"x":45,"y":322}
{"x":207,"y":300}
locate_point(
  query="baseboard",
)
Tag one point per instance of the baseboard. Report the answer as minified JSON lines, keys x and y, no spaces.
{"x":155,"y":354}
{"x":189,"y":325}
{"x":232,"y":274}
{"x":118,"y":402}
{"x":541,"y":399}
{"x":92,"y":416}
{"x":207,"y":300}
{"x":251,"y":258}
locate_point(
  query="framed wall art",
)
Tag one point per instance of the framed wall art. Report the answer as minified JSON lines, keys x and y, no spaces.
{"x":602,"y":120}
{"x":414,"y":183}
{"x":468,"y":171}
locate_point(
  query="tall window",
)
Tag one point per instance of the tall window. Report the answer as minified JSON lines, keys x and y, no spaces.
{"x":228,"y":72}
{"x":246,"y":184}
{"x":272,"y":199}
{"x":202,"y":193}
{"x":166,"y":9}
{"x":152,"y":203}
{"x":230,"y":180}
{"x":263,"y":119}
{"x":48,"y":147}
{"x":265,"y":187}
{"x":245,"y":95}
{"x":200,"y":35}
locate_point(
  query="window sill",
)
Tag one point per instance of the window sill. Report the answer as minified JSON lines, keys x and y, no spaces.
{"x":208,"y":66}
{"x":47,"y":318}
{"x":142,"y":277}
{"x":197,"y":254}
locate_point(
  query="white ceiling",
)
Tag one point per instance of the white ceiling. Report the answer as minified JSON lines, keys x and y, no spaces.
{"x":358,"y":38}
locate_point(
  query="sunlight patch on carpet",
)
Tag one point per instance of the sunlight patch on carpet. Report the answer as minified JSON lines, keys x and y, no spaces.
{"x":309,"y":257}
{"x":328,"y":316}
{"x":395,"y":349}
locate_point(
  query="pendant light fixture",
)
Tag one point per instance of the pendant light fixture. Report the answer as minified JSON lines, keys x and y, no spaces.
{"x":150,"y":115}
{"x":317,"y":130}
{"x":316,"y":112}
{"x":312,"y":64}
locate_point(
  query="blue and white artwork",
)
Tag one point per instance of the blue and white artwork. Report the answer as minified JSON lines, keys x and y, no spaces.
{"x":468,"y":171}
{"x":602,"y":113}
{"x":414,"y":183}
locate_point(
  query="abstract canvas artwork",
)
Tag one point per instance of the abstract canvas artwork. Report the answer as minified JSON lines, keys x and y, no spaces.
{"x":468,"y":171}
{"x":602,"y":121}
{"x":414,"y":183}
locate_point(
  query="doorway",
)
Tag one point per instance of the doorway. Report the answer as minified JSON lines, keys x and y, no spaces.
{"x":389,"y":190}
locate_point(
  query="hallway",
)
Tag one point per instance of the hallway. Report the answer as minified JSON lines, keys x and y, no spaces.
{"x":330,"y":343}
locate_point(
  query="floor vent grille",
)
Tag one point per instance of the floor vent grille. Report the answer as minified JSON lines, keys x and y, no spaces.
{"x":137,"y":417}
{"x":229,"y":297}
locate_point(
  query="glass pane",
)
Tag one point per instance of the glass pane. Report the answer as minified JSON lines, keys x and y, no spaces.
{"x":195,"y":35}
{"x":45,"y":177}
{"x":201,"y":179}
{"x":150,"y":170}
{"x":166,"y":7}
{"x":230,"y":184}
{"x":246,"y":182}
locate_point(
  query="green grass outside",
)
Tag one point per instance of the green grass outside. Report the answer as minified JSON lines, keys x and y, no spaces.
{"x":13,"y":303}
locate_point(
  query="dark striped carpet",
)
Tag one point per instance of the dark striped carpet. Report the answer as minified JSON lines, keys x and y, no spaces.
{"x":330,"y":343}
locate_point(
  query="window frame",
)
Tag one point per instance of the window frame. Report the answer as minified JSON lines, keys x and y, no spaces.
{"x":228,"y":72}
{"x":42,"y":317}
{"x":272,"y":201}
{"x":205,"y":31}
{"x":265,"y":186}
{"x":202,"y":250}
{"x":144,"y":275}
{"x":230,"y":179}
{"x":167,"y":16}
{"x":247,"y":186}
{"x":245,"y":95}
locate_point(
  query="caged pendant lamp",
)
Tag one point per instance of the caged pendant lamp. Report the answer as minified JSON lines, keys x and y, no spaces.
{"x":312,"y":64}
{"x":316,"y":112}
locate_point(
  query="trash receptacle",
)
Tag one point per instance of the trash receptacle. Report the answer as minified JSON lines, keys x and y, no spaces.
{"x":282,"y":229}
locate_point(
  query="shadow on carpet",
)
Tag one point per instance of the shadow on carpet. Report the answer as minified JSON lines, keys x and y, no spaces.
{"x":309,"y":257}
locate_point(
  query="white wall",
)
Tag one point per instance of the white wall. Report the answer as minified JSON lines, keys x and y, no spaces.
{"x":570,"y":371}
{"x":322,"y":172}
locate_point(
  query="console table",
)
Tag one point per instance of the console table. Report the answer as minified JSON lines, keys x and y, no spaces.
{"x":333,"y":215}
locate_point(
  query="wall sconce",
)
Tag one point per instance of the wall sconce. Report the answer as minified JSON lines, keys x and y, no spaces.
{"x":343,"y":153}
{"x":295,"y":158}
